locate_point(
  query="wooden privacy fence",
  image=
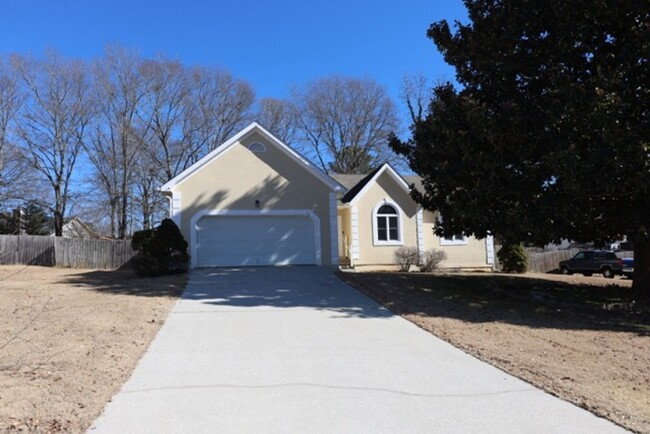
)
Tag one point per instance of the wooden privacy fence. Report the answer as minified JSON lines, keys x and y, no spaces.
{"x":543,"y":262}
{"x":65,"y":252}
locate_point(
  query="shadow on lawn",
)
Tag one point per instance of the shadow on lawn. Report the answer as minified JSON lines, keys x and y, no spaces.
{"x":510,"y":299}
{"x":127,"y":283}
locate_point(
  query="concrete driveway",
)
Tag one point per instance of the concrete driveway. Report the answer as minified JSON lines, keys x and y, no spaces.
{"x":296,"y":350}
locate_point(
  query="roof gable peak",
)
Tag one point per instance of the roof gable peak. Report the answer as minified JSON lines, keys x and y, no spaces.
{"x":228,"y":144}
{"x":353,"y":195}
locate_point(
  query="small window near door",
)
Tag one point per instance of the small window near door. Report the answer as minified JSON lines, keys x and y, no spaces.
{"x":387,"y":225}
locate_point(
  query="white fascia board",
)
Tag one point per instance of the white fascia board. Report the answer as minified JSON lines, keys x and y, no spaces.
{"x":393,"y":174}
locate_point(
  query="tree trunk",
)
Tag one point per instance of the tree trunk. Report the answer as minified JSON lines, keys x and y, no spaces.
{"x":641,"y":282}
{"x":122,"y":224}
{"x":58,"y":224}
{"x":58,"y":212}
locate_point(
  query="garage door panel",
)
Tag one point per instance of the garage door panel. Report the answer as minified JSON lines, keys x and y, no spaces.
{"x":255,"y":240}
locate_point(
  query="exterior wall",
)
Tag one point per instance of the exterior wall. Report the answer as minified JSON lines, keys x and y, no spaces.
{"x":384,"y":189}
{"x":472,"y":255}
{"x":238,"y":178}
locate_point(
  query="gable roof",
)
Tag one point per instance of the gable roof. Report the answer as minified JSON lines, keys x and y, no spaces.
{"x":352,"y":192}
{"x":77,"y":228}
{"x":358,"y":184}
{"x":227,"y":145}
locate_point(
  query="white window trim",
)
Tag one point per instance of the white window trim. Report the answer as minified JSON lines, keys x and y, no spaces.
{"x":454,"y":242}
{"x":400,"y":231}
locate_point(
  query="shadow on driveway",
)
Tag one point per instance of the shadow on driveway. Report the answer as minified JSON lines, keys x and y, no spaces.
{"x":280,"y":287}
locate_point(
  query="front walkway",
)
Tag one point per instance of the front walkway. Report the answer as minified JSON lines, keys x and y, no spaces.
{"x":294,"y":349}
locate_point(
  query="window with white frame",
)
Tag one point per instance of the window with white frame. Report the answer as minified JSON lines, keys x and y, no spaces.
{"x":387,"y":224}
{"x":453,"y":240}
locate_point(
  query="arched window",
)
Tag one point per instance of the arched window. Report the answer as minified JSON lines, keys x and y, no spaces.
{"x":387,"y":224}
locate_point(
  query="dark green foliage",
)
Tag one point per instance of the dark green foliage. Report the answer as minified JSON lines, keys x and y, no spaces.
{"x":547,"y":136}
{"x":161,"y":251}
{"x":142,"y":240}
{"x":513,"y":258}
{"x":28,"y":219}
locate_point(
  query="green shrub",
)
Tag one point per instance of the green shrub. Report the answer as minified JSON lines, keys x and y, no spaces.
{"x":160,"y":251}
{"x":142,"y":239}
{"x":513,"y":258}
{"x":405,"y":257}
{"x":430,"y":260}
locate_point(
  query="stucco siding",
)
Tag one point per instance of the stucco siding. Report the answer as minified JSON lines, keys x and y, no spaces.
{"x":242,"y":180}
{"x":384,"y":189}
{"x":470,"y":255}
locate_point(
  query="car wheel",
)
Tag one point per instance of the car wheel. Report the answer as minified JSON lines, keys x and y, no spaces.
{"x":565,"y":270}
{"x":608,"y":273}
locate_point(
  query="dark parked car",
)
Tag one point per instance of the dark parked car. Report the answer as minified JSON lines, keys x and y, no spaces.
{"x":588,"y":262}
{"x":628,"y":267}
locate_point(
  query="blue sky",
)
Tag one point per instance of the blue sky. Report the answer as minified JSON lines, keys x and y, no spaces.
{"x":272,"y":44}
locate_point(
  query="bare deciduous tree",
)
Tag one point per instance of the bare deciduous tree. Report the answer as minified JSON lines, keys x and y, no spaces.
{"x":345,"y":123}
{"x":415,"y":92}
{"x":115,"y":144}
{"x":219,"y":105}
{"x":52,"y":122}
{"x":10,"y":101}
{"x":155,"y":119}
{"x":278,"y":117}
{"x":163,"y":110}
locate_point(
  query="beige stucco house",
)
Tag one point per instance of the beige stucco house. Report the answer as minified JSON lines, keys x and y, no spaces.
{"x":255,"y":201}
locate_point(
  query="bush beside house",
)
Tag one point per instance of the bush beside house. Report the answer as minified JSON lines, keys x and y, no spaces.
{"x":161,"y":251}
{"x":430,"y":260}
{"x":513,"y":258}
{"x":405,"y":257}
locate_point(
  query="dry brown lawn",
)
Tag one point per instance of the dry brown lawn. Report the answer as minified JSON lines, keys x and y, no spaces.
{"x":70,"y":338}
{"x":583,"y":339}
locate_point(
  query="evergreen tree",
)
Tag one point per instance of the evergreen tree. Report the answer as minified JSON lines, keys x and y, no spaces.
{"x":547,"y":136}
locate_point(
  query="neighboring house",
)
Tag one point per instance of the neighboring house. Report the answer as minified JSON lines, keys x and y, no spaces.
{"x":76,"y":228}
{"x":255,"y":201}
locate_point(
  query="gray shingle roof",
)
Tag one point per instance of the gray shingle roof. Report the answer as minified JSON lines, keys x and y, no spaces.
{"x":354,"y":183}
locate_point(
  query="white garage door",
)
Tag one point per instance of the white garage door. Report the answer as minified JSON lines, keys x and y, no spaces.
{"x":255,"y":240}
